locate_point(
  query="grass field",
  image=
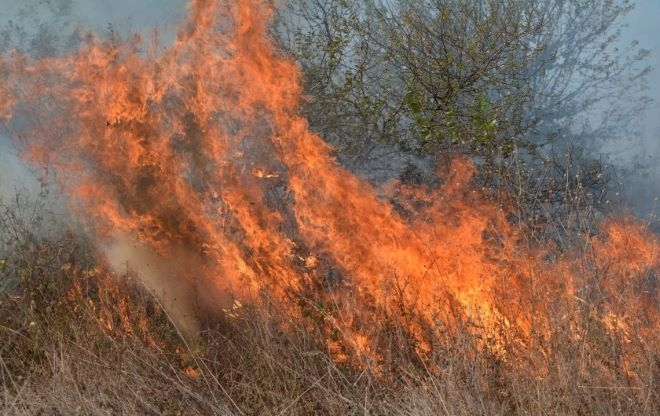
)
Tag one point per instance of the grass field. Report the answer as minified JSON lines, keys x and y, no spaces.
{"x":230,"y":265}
{"x":76,"y":338}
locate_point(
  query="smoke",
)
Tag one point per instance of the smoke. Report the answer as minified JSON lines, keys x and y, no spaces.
{"x":167,"y":278}
{"x":638,"y":158}
{"x":14,"y":173}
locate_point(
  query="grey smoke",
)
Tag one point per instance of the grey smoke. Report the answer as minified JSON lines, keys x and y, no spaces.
{"x":640,"y":158}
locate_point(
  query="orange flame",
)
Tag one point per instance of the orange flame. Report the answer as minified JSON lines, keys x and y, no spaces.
{"x":193,"y":166}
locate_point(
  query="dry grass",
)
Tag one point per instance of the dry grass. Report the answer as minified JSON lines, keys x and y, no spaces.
{"x":76,"y":338}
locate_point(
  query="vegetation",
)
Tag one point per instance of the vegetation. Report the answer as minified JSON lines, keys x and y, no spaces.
{"x":408,"y":83}
{"x":515,"y":86}
{"x":76,"y":338}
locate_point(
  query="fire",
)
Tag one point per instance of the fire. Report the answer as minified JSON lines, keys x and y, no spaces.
{"x":193,"y":166}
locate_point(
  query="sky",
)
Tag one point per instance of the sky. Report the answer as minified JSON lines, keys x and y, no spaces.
{"x":644,"y":26}
{"x":132,"y":15}
{"x":125,"y":13}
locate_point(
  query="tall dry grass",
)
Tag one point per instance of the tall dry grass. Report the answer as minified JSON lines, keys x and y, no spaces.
{"x":76,"y":338}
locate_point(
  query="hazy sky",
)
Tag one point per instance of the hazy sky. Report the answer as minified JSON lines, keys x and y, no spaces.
{"x":642,"y":189}
{"x":131,"y":15}
{"x":644,"y":26}
{"x":137,"y":13}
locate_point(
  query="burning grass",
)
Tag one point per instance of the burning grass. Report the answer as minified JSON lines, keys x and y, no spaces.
{"x":78,"y":338}
{"x":230,"y":266}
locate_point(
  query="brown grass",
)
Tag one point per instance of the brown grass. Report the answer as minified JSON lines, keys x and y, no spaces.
{"x":75,"y":338}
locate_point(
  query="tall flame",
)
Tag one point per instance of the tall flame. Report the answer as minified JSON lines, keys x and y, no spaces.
{"x":192,"y":165}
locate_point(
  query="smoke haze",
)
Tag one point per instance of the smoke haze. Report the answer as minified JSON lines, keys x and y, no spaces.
{"x":641,"y":157}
